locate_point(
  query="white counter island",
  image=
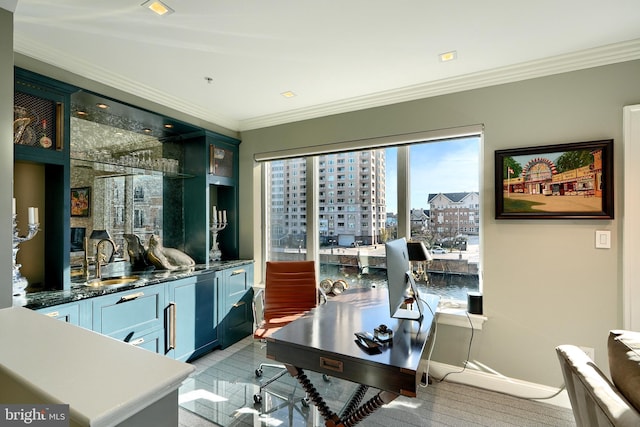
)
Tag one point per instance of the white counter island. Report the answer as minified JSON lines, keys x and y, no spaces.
{"x":106,"y":382}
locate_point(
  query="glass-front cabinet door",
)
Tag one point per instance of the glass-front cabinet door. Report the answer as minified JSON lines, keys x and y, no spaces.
{"x":220,"y":161}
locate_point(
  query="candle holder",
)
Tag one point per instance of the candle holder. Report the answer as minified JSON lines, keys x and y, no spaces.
{"x":19,"y":282}
{"x":215,"y":254}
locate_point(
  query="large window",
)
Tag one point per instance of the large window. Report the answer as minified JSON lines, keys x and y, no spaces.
{"x":425,"y":191}
{"x":286,"y":229}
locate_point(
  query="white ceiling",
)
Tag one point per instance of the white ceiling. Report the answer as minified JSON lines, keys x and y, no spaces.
{"x":336,"y":56}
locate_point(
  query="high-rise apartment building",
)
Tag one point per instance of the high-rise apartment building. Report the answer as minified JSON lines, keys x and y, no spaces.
{"x":351,"y":199}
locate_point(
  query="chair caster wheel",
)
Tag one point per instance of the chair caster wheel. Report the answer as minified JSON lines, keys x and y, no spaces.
{"x":325,"y":377}
{"x":304,"y":402}
{"x":258,"y":373}
{"x":257,"y":399}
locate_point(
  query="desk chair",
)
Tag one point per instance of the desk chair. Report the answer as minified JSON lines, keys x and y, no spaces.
{"x":290,"y":290}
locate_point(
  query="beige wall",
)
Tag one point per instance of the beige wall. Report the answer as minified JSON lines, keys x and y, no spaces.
{"x":544,"y":282}
{"x":6,"y":154}
{"x":28,"y":188}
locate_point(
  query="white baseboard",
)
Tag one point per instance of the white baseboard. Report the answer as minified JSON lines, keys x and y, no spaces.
{"x":500,"y":384}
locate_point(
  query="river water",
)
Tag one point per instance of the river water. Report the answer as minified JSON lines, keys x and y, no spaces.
{"x":447,"y":286}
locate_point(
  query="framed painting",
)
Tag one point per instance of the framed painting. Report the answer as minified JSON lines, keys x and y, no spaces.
{"x":564,"y":181}
{"x":81,"y":201}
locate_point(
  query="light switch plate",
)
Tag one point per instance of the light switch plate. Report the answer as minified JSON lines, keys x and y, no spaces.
{"x":603,"y":239}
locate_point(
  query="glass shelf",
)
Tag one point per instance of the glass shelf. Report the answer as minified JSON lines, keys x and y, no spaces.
{"x":103,"y":169}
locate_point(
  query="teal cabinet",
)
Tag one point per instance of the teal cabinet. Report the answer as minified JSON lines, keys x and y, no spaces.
{"x":211,"y":311}
{"x":209,"y":174}
{"x":237,"y":296}
{"x":182,"y":319}
{"x":130,"y":315}
{"x":192,"y":317}
{"x":212,"y":160}
{"x":77,"y":313}
{"x":42,"y":112}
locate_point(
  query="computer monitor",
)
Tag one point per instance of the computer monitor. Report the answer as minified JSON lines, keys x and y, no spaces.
{"x":403,"y":293}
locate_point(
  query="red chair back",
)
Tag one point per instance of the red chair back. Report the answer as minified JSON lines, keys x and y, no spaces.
{"x":290,"y":288}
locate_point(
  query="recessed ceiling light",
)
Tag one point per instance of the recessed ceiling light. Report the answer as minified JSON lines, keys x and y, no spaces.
{"x":168,"y":126}
{"x":146,"y":130}
{"x":158,"y":7}
{"x":448,"y":56}
{"x":81,"y":113}
{"x":101,"y":105}
{"x":288,"y":94}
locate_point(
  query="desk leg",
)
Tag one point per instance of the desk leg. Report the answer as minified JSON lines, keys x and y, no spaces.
{"x":353,"y":415}
{"x":368,"y":408}
{"x":313,"y":395}
{"x":355,"y":400}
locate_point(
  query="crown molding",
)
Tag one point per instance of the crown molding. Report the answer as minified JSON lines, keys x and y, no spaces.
{"x":9,"y":5}
{"x":605,"y":55}
{"x":81,"y":67}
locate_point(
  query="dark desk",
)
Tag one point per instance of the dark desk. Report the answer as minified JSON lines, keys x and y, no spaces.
{"x":323,"y":341}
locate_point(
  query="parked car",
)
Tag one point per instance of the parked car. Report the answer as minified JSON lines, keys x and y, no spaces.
{"x":438,"y":250}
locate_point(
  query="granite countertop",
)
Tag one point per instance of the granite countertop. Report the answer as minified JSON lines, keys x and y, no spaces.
{"x":79,"y":291}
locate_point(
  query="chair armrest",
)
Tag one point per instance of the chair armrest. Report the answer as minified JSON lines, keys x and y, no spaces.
{"x":322,"y":296}
{"x":257,"y":306}
{"x":595,"y":401}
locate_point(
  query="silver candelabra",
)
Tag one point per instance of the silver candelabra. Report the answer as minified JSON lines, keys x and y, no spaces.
{"x":215,"y":254}
{"x":19,"y":282}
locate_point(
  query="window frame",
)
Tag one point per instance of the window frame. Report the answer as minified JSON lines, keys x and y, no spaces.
{"x":311,"y":154}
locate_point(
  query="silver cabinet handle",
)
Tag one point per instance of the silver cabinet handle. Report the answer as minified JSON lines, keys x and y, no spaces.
{"x":236,"y":272}
{"x":53,"y":314}
{"x":137,"y":342}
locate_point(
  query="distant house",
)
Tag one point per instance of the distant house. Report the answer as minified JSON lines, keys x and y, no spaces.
{"x":452,"y":214}
{"x":419,"y":218}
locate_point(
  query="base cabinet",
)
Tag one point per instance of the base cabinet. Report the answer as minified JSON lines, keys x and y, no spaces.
{"x":182,"y":319}
{"x":77,"y":313}
{"x":152,"y":341}
{"x":192,"y":317}
{"x":237,"y":298}
{"x":131,"y":315}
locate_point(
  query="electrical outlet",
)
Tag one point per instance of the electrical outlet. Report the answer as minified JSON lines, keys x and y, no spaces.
{"x":589,"y":351}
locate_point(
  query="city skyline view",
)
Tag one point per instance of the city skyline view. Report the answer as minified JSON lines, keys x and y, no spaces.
{"x":449,"y":166}
{"x":359,"y":189}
